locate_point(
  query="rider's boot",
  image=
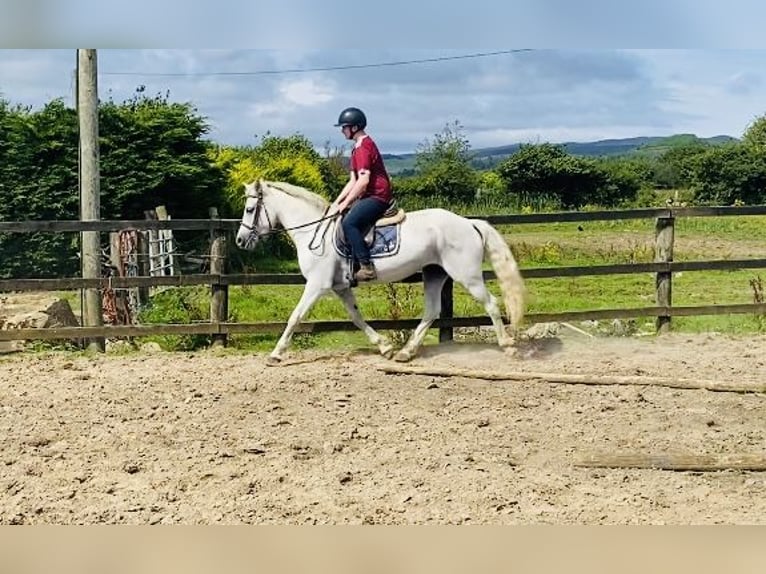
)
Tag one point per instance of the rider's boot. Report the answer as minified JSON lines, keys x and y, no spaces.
{"x":366,"y":272}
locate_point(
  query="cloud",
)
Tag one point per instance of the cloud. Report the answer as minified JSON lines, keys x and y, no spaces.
{"x":558,"y":94}
{"x":34,"y":77}
{"x":306,"y":92}
{"x":297,"y":24}
{"x":744,"y":83}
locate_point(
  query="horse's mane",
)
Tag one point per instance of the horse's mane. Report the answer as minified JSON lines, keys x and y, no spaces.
{"x":300,"y":193}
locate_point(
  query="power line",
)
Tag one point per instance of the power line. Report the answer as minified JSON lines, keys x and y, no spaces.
{"x":324,"y":68}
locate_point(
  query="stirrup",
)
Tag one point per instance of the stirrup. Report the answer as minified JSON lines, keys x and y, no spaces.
{"x":350,"y":274}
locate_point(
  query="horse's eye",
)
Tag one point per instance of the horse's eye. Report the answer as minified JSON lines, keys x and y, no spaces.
{"x":249,"y":209}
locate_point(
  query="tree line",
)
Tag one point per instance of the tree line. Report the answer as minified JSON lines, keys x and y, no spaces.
{"x":154,"y":151}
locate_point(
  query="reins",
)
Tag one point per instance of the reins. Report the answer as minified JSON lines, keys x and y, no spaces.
{"x":274,"y":231}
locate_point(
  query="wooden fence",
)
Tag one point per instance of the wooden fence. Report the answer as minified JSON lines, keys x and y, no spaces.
{"x":219,"y":328}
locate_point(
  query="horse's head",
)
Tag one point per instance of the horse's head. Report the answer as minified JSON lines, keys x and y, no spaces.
{"x":255,"y":219}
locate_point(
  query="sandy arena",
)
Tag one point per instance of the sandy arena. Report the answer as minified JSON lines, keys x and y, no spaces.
{"x":220,"y":438}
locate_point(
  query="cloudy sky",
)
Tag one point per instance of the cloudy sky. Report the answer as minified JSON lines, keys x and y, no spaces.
{"x":528,"y":95}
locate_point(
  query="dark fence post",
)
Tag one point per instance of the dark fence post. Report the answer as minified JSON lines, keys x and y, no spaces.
{"x":664,"y":236}
{"x":219,"y":293}
{"x":142,"y":248}
{"x":446,"y":333}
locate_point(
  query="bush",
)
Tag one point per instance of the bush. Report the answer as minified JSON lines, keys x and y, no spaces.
{"x":729,"y":174}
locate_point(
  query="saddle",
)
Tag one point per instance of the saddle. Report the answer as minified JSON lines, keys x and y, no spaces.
{"x":382,"y":238}
{"x":393,"y":216}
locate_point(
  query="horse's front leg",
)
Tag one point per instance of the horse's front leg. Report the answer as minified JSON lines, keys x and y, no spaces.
{"x":311,"y":293}
{"x":349,"y":301}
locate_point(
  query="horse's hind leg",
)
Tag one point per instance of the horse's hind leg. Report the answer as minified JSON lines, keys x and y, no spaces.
{"x":475,"y":285}
{"x":433,"y":282}
{"x":349,"y":301}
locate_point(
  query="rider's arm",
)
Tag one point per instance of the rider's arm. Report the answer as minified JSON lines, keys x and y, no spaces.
{"x":346,"y":188}
{"x":357,"y":188}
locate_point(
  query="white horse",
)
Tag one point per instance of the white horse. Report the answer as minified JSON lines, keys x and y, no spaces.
{"x":437,"y":242}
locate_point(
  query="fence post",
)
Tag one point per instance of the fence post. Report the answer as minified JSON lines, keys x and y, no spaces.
{"x":142,"y":259}
{"x":152,"y":236}
{"x":165,"y":244}
{"x":118,"y":309}
{"x":663,"y":253}
{"x":219,"y":293}
{"x":446,"y":333}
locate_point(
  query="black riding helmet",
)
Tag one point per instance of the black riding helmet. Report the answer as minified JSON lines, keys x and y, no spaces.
{"x":352,"y":117}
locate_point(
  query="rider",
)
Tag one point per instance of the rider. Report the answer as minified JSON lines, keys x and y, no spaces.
{"x":367,"y":192}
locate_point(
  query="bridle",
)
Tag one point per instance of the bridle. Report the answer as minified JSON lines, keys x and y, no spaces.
{"x":260,"y":207}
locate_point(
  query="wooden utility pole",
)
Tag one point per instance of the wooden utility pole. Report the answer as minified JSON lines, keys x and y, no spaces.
{"x":90,"y":189}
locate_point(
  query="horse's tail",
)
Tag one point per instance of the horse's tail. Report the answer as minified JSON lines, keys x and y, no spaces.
{"x":506,"y":270}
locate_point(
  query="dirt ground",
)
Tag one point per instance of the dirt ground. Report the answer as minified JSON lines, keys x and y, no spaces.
{"x":220,"y":438}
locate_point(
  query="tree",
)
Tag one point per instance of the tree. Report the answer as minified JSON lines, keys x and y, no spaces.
{"x":38,"y":181}
{"x":755,"y":134}
{"x":546,"y":174}
{"x":675,"y":168}
{"x":625,"y":177}
{"x":490,"y":185}
{"x":292,"y":159}
{"x":731,"y":173}
{"x":444,"y":166}
{"x":539,"y":173}
{"x":153,"y":153}
{"x":336,"y":170}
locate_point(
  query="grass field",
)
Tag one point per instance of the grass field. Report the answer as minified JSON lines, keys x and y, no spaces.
{"x":536,"y":245}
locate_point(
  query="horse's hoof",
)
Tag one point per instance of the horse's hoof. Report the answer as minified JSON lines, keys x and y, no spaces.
{"x":272,"y":361}
{"x":402,"y":357}
{"x":511,"y":351}
{"x":507,"y":342}
{"x":387,"y":351}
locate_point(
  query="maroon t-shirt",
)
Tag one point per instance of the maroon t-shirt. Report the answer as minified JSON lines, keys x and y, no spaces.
{"x":365,"y":156}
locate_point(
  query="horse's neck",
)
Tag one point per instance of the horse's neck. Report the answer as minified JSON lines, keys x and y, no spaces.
{"x":293,"y":212}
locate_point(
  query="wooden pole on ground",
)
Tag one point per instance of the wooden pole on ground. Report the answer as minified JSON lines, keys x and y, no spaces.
{"x":676,"y":383}
{"x":682,"y":462}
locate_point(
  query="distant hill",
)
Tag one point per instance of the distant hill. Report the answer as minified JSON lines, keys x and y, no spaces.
{"x":653,"y":146}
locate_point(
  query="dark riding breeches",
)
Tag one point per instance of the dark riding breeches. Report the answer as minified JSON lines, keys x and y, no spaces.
{"x":358,"y":221}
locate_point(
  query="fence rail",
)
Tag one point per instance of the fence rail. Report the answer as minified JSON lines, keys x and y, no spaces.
{"x":509,"y":219}
{"x":71,"y":283}
{"x":663,"y":267}
{"x":225,"y":329}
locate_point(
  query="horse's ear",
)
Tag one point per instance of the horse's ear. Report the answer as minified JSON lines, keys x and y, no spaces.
{"x":255,"y":185}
